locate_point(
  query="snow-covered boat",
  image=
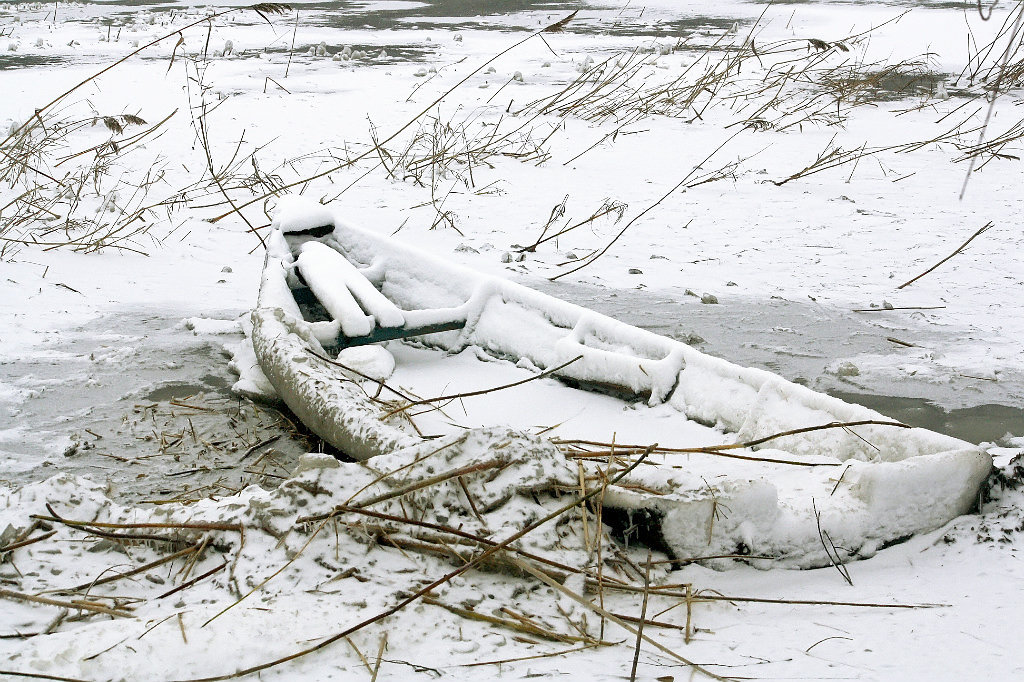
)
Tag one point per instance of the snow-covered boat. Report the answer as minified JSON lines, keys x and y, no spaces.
{"x":331,"y":293}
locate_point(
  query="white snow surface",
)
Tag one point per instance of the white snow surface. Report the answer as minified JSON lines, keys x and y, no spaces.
{"x":823,"y":245}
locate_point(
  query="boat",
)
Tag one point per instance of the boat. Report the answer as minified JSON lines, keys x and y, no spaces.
{"x":353,"y":329}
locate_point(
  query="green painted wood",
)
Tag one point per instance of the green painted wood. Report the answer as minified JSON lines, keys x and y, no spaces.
{"x":304,"y":297}
{"x":381,"y":334}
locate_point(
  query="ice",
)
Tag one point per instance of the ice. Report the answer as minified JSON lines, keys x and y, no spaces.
{"x":205,"y":325}
{"x":312,"y":389}
{"x":252,"y":382}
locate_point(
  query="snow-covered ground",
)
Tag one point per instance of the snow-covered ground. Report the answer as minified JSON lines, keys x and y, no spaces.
{"x":90,"y":339}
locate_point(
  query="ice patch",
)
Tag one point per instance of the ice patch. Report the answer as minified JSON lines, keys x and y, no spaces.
{"x":252,"y":382}
{"x":12,"y":394}
{"x":206,"y":325}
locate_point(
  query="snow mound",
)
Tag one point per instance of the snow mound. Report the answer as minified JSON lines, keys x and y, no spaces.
{"x":336,"y":541}
{"x":296,"y":213}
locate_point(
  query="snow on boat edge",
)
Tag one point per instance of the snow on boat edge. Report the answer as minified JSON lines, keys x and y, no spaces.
{"x":884,"y":484}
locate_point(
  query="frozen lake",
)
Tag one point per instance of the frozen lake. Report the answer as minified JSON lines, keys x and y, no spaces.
{"x":95,"y":377}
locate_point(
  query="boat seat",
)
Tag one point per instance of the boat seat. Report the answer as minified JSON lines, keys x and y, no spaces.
{"x":364,"y":314}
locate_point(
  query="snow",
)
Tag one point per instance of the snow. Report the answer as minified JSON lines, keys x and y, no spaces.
{"x":334,"y":266}
{"x":87,"y":337}
{"x":317,"y":268}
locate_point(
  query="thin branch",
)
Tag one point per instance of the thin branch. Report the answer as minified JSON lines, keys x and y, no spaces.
{"x":643,"y":618}
{"x":83,"y":606}
{"x":127,"y":574}
{"x":960,"y":248}
{"x":716,"y":449}
{"x":613,"y":618}
{"x":470,"y":394}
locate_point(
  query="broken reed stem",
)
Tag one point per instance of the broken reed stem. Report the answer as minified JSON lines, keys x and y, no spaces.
{"x":291,"y":50}
{"x":649,"y":622}
{"x":599,"y":514}
{"x":437,"y":546}
{"x":615,"y":619}
{"x":472,"y":502}
{"x":259,"y":445}
{"x":812,"y":602}
{"x":41,"y":676}
{"x":830,"y":549}
{"x":583,"y":509}
{"x":192,"y":582}
{"x":83,"y":606}
{"x":626,"y":451}
{"x":689,"y":614}
{"x":694,"y":559}
{"x":342,"y":509}
{"x":423,"y":591}
{"x":127,"y":574}
{"x":237,"y":527}
{"x":960,"y":248}
{"x":424,"y":483}
{"x":30,"y":541}
{"x":359,"y":653}
{"x":697,"y":598}
{"x":380,"y":656}
{"x":643,"y":618}
{"x":471,"y":394}
{"x":519,"y":624}
{"x":716,"y":449}
{"x":530,"y":658}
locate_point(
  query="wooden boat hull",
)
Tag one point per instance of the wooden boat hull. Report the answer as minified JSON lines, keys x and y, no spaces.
{"x":858,"y":489}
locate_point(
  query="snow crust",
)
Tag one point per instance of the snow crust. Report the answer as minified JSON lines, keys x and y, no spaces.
{"x":332,"y":267}
{"x":309,"y":215}
{"x":317,"y":268}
